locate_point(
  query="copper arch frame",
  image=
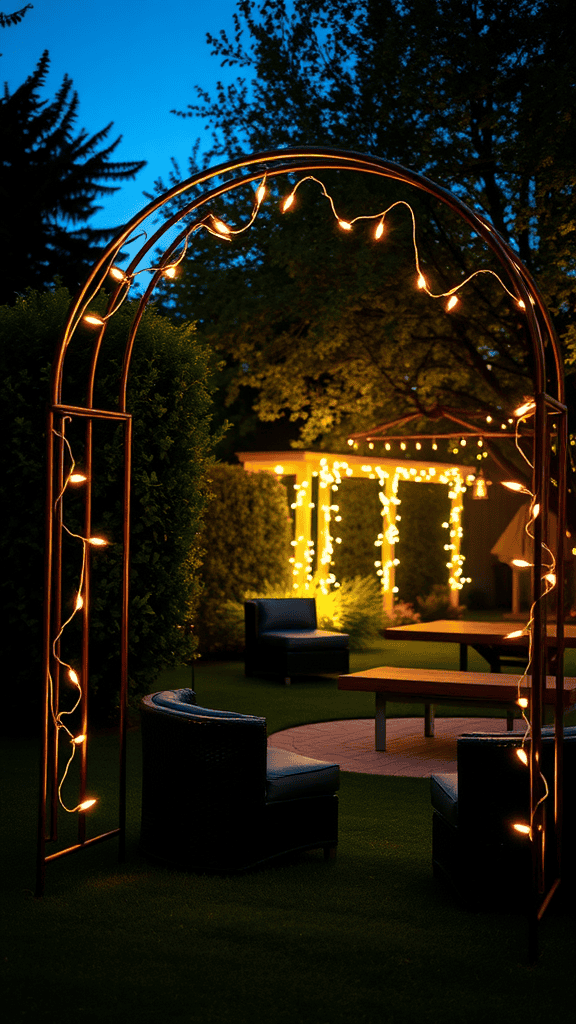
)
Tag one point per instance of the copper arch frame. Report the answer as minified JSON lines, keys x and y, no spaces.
{"x":550,"y":416}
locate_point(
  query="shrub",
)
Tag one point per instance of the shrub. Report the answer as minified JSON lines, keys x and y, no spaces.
{"x":170,"y":399}
{"x":246,"y":547}
{"x":437,"y":605}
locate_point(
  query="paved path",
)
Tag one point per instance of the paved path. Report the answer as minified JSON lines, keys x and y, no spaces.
{"x":351,"y":743}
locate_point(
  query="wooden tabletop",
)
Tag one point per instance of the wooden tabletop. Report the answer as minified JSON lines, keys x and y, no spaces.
{"x":431,"y":683}
{"x":465,"y":632}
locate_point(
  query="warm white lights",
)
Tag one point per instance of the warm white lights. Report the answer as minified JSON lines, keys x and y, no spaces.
{"x":220,"y":226}
{"x":523,"y":410}
{"x":513,"y":485}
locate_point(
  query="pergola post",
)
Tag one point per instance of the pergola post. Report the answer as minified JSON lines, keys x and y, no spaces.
{"x":388,"y":546}
{"x":455,"y":563}
{"x":302,"y":545}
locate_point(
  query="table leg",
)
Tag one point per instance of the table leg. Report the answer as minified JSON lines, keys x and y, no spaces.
{"x":463,"y":657}
{"x":380,"y":723}
{"x":428,"y":719}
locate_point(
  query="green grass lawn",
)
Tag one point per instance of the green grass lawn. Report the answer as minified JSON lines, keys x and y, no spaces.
{"x":369,"y":939}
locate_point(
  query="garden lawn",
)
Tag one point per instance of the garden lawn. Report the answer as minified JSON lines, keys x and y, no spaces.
{"x":368,"y":939}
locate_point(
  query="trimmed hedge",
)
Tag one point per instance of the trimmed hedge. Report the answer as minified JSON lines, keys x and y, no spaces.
{"x":246,"y":547}
{"x":170,"y":400}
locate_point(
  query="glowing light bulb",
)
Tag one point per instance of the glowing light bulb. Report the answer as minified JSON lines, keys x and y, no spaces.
{"x":522,"y":702}
{"x":421,"y":282}
{"x":452,"y":301}
{"x":524,"y":829}
{"x":93,"y":320}
{"x":97,"y":542}
{"x":521,"y":563}
{"x":288,"y":202}
{"x":79,"y":602}
{"x":550,"y":577}
{"x":78,"y":740}
{"x":515,"y":634}
{"x":488,"y":419}
{"x":76,"y":478}
{"x":522,"y":755}
{"x":523,"y":409}
{"x":73,"y":676}
{"x":260,"y":193}
{"x":513,"y":485}
{"x":169,"y":272}
{"x":86,"y":805}
{"x":521,"y":304}
{"x":117,"y":274}
{"x":379,"y":230}
{"x":345,"y":225}
{"x":220,"y":226}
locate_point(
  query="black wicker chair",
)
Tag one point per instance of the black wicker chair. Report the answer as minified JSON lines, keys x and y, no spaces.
{"x":474,"y":845}
{"x":216,"y":798}
{"x":282,"y":639}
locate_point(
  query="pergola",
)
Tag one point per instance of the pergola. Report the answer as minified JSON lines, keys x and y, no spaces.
{"x":314,"y":502}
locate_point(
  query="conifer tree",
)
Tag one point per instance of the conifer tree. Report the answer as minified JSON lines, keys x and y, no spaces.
{"x":51,"y":177}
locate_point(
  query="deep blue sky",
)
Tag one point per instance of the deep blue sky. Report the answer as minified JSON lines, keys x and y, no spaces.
{"x":131,"y":62}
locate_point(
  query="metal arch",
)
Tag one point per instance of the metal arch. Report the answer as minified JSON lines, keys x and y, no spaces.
{"x":550,"y":408}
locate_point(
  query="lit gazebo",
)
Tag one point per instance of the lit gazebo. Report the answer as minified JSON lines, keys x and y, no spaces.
{"x":315,"y":477}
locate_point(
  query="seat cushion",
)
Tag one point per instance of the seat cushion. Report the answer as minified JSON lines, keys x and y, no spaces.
{"x":444,"y":796}
{"x":304,"y":639}
{"x":289,"y":776}
{"x":286,"y":613}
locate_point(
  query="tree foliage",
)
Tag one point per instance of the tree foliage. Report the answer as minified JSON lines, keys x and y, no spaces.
{"x":170,"y":401}
{"x":15,"y":17}
{"x":51,"y":178}
{"x":327,"y":326}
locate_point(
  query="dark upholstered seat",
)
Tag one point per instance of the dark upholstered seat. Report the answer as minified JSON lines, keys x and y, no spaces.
{"x":474,"y":844}
{"x":216,"y":798}
{"x":282,"y":639}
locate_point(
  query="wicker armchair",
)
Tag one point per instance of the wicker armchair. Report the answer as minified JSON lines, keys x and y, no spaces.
{"x":474,"y":845}
{"x":216,"y":798}
{"x":282,"y":639}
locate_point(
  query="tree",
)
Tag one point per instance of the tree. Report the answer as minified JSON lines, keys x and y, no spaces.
{"x":327,"y":326}
{"x":15,"y":18}
{"x":50,"y":181}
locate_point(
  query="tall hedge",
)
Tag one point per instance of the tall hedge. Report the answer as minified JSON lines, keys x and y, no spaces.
{"x":246,"y":547}
{"x":422,"y":510}
{"x":170,"y":401}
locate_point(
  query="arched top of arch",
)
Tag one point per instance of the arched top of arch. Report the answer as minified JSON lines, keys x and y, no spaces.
{"x":196,"y":195}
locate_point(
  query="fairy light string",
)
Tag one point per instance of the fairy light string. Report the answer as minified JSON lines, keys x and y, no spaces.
{"x":548,"y":584}
{"x":219,"y":228}
{"x":58,"y":716}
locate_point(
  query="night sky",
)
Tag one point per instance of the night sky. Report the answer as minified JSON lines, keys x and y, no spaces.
{"x":131,"y":62}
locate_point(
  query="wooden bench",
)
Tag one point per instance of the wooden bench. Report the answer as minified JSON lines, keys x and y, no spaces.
{"x":431,"y":687}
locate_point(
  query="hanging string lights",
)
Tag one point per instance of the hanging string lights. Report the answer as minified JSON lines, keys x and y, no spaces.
{"x":58,"y":716}
{"x":548,"y":581}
